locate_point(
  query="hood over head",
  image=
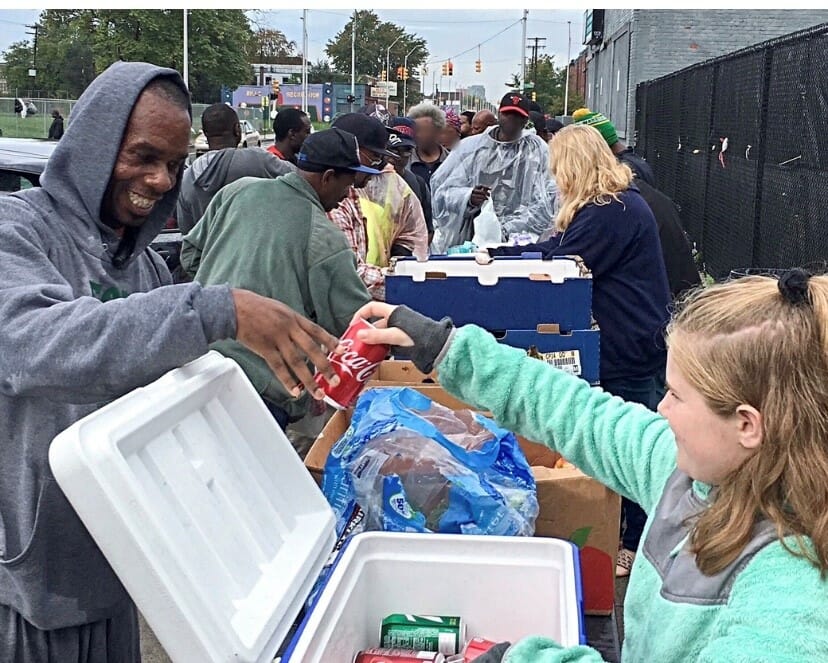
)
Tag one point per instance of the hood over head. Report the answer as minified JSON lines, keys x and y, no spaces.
{"x":78,"y":172}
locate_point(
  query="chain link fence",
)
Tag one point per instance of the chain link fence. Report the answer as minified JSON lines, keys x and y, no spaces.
{"x":741,"y":145}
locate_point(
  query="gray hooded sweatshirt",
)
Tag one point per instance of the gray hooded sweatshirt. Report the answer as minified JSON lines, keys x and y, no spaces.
{"x":215,"y":170}
{"x":84,"y":318}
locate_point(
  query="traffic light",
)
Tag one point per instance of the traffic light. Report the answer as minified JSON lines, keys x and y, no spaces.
{"x":399,"y":73}
{"x":450,"y":68}
{"x":534,"y":96}
{"x":478,"y":66}
{"x":383,"y":75}
{"x":405,"y":73}
{"x":445,"y":69}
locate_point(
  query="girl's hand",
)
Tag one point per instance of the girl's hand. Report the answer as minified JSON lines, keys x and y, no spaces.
{"x":383,"y":334}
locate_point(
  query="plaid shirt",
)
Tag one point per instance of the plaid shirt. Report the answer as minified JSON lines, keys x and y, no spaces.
{"x":349,"y":219}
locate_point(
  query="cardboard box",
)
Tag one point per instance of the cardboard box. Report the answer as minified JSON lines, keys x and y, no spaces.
{"x":399,"y":372}
{"x":573,"y":506}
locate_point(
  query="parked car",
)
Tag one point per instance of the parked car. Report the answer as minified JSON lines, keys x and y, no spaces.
{"x":250,"y":138}
{"x":22,"y":160}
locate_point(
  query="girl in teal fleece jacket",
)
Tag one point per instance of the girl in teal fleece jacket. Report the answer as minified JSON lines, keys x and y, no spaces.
{"x":733,"y":471}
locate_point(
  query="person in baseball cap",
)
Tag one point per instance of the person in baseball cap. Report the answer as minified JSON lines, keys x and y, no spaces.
{"x":451,"y":134}
{"x":272,"y":236}
{"x":332,"y":149}
{"x":381,"y":216}
{"x":513,"y":114}
{"x":402,"y":132}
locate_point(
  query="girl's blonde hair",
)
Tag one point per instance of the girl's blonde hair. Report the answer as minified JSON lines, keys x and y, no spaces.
{"x":744,"y":342}
{"x":586,"y":171}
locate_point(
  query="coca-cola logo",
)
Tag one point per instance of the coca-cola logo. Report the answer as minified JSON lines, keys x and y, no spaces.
{"x":352,"y":363}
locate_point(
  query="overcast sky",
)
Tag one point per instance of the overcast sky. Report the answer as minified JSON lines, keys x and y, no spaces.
{"x":447,"y":33}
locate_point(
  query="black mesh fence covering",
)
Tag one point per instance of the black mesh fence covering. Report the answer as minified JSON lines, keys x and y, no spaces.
{"x":741,"y":145}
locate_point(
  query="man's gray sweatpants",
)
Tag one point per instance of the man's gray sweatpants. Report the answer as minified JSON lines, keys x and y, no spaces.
{"x":114,"y":640}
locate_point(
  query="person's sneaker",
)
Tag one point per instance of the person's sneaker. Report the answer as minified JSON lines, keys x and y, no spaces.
{"x":624,"y":564}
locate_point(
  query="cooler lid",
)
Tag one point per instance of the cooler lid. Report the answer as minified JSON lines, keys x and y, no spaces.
{"x":556,"y":270}
{"x":203,"y":509}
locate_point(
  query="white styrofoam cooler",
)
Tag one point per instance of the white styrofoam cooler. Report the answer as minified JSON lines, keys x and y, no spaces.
{"x":218,"y":532}
{"x":510,"y":267}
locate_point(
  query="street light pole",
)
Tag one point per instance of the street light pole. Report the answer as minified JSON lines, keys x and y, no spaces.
{"x":405,"y":79}
{"x":568,"y":66}
{"x":353,"y":59}
{"x":388,"y":68}
{"x":305,"y":61}
{"x":186,"y":51}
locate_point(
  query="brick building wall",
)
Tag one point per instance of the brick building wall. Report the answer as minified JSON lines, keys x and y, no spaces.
{"x":642,"y":44}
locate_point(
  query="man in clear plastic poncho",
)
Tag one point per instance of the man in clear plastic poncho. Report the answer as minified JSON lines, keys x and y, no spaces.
{"x":505,"y":163}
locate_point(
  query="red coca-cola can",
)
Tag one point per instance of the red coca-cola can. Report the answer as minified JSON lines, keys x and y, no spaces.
{"x":398,"y":656}
{"x":354,"y":367}
{"x":476,"y":647}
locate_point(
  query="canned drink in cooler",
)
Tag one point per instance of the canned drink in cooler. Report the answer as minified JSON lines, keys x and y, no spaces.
{"x":429,"y":633}
{"x":475,"y":648}
{"x":354,"y":367}
{"x":381,"y":655}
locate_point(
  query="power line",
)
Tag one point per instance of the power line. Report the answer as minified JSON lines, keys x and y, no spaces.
{"x":480,"y":43}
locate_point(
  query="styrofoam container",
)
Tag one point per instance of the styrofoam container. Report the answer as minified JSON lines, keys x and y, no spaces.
{"x":218,"y":532}
{"x":502,"y":267}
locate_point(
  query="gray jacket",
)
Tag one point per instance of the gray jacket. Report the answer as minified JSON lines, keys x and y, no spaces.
{"x":215,"y":170}
{"x":83,"y":320}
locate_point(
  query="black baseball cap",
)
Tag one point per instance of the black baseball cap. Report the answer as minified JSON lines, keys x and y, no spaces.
{"x":331,"y":148}
{"x":370,"y":132}
{"x":401,"y":132}
{"x":513,"y":102}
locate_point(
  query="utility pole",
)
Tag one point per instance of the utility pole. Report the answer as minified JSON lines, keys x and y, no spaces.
{"x":568,"y":66}
{"x":537,"y":45}
{"x":353,"y":58}
{"x":33,"y":71}
{"x":304,"y":60}
{"x":186,"y":51}
{"x":523,"y":54}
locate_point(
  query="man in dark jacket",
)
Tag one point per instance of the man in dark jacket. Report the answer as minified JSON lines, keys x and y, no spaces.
{"x":224,"y":163}
{"x":56,"y":128}
{"x":87,"y":314}
{"x":402,"y":132}
{"x":682,"y":273}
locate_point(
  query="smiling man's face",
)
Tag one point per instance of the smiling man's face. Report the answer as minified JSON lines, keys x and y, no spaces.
{"x":154,"y":147}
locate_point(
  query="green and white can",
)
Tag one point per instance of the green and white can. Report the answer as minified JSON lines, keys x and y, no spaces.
{"x":424,"y":632}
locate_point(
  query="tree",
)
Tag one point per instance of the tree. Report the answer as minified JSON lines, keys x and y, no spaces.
{"x":373,"y":37}
{"x":269,"y":45}
{"x":322,"y":72}
{"x":550,"y":83}
{"x":75,"y":45}
{"x":19,"y":57}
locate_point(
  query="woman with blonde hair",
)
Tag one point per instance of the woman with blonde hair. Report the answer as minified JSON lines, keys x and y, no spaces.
{"x":603,"y":218}
{"x":733,"y":470}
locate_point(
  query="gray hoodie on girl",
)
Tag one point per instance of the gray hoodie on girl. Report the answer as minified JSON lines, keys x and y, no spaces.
{"x":84,"y":318}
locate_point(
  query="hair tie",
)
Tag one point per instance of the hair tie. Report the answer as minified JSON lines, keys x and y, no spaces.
{"x":793,"y":285}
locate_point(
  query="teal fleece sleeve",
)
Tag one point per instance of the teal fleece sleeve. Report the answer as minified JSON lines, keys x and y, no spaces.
{"x":543,"y":650}
{"x":623,"y":445}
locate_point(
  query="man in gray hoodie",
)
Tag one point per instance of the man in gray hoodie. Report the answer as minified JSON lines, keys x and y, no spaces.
{"x":224,"y":163}
{"x":86,"y":315}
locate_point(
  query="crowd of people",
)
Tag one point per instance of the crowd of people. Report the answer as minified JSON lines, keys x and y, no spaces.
{"x":283,"y":247}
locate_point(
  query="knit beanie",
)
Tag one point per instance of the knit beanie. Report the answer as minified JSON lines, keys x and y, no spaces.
{"x":453,"y":120}
{"x":597,"y":120}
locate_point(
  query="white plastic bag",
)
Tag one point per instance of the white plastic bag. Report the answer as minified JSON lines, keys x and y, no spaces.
{"x":487,"y":229}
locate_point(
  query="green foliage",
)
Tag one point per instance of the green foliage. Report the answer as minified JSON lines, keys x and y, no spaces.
{"x":268,"y":46}
{"x":550,"y":83}
{"x":373,"y":37}
{"x":74,"y":45}
{"x":322,"y":72}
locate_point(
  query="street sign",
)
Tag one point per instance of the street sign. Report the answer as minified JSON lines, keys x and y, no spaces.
{"x":379,"y":89}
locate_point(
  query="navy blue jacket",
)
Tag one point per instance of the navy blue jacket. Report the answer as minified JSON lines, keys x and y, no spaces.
{"x":630,"y":296}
